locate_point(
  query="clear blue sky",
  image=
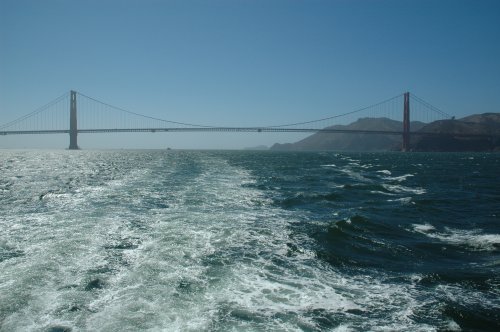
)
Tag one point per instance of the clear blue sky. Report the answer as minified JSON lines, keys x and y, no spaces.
{"x":244,"y":62}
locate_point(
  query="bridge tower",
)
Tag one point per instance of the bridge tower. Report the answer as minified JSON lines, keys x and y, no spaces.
{"x":406,"y":122}
{"x":73,"y":127}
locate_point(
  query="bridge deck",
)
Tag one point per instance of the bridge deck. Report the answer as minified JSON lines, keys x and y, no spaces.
{"x":241,"y":129}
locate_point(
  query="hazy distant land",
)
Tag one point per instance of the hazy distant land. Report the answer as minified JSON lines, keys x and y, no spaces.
{"x":478,"y":124}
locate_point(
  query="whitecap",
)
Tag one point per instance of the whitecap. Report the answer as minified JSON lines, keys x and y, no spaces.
{"x":378,"y":192}
{"x":423,"y":228}
{"x":453,"y":326}
{"x":402,"y":200}
{"x":399,"y":178}
{"x":343,"y":328}
{"x":473,"y":239}
{"x":385,"y":171}
{"x":403,"y":189}
{"x":355,"y":175}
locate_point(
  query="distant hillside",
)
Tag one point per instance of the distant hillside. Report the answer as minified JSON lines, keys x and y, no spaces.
{"x":448,"y":140}
{"x":478,"y":124}
{"x":353,"y":142}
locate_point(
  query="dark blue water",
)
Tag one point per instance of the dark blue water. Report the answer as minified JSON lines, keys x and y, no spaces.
{"x":246,"y":241}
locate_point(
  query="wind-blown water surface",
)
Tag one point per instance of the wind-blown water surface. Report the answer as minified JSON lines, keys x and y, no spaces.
{"x":248,"y":241}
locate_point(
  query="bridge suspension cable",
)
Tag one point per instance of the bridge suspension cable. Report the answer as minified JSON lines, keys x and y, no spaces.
{"x":144,"y":116}
{"x":430,"y":106}
{"x":36,"y":112}
{"x":336,"y":116}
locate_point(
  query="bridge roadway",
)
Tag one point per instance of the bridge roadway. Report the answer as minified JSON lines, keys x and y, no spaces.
{"x":238,"y":129}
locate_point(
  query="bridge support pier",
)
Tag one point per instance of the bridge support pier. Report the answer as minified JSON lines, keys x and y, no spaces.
{"x":406,"y":123}
{"x":73,"y":126}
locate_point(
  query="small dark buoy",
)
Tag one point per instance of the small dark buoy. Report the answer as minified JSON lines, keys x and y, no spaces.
{"x":74,"y":308}
{"x":94,"y":284}
{"x":59,"y":329}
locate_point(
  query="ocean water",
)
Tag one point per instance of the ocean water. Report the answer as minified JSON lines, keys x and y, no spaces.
{"x":249,"y":241}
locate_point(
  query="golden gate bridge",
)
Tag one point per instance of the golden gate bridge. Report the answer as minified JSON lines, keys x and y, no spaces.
{"x":74,"y":113}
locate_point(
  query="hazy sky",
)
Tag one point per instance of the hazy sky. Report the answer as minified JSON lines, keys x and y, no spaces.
{"x":243,"y":62}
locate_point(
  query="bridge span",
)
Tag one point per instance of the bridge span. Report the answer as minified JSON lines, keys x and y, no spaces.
{"x":116,"y":123}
